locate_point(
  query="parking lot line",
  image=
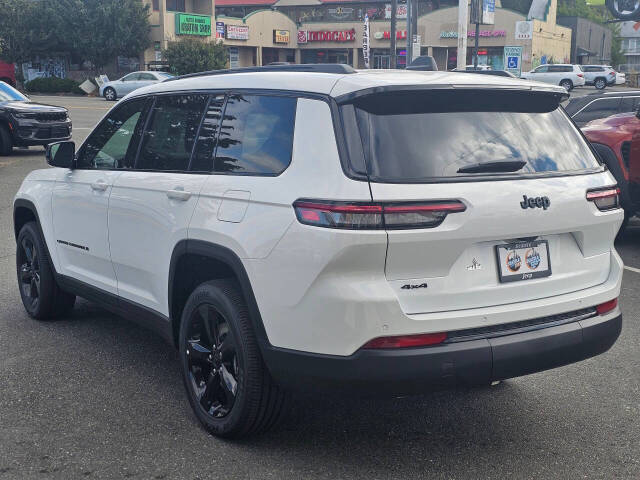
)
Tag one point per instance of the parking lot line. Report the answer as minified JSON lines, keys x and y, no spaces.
{"x":632,"y":269}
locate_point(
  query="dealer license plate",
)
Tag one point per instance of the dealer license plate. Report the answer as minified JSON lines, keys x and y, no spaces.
{"x":523,"y":261}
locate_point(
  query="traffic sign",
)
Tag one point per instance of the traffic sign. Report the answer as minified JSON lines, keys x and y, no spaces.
{"x":513,"y":60}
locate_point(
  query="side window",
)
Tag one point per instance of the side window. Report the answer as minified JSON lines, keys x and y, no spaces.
{"x":132,"y":77}
{"x":598,"y":109}
{"x":206,"y":144}
{"x":629,"y":104}
{"x":171,"y":132}
{"x":110,"y":145}
{"x":256,"y":136}
{"x":542,"y":69}
{"x":146,"y":76}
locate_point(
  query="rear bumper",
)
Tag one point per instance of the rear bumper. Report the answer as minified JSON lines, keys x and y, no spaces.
{"x":473,"y":362}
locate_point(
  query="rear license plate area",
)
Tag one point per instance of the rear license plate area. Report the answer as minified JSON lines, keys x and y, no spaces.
{"x":523,"y":261}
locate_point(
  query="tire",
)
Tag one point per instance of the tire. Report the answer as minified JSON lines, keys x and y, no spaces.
{"x":41,"y":296}
{"x":567,"y":84}
{"x":629,"y":15}
{"x":600,"y":83}
{"x":229,"y":387}
{"x":110,"y":94}
{"x":6,"y":144}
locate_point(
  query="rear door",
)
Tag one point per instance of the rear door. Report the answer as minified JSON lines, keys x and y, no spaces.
{"x":521,"y":172}
{"x":151,"y":205}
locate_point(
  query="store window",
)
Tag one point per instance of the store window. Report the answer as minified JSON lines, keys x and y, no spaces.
{"x":175,"y":5}
{"x":155,"y":5}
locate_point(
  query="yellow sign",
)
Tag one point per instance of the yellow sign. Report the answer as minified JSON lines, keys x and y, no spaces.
{"x":281,"y":36}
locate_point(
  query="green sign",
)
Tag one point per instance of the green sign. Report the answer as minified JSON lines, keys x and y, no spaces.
{"x":188,"y":24}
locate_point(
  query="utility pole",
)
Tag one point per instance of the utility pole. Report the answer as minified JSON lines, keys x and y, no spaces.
{"x":394,"y":12}
{"x":463,"y":19}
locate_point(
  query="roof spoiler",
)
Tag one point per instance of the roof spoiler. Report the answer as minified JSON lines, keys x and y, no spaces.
{"x":338,"y":68}
{"x":558,"y":92}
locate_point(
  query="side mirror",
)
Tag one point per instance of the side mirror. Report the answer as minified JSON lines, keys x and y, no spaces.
{"x":61,"y":154}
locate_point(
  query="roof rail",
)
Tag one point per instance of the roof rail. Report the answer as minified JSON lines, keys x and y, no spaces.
{"x":339,"y":68}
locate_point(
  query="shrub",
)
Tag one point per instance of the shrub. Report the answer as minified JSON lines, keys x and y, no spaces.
{"x":191,"y":55}
{"x":53,"y":85}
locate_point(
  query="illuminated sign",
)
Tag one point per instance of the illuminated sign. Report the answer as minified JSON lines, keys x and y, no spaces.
{"x":400,"y":35}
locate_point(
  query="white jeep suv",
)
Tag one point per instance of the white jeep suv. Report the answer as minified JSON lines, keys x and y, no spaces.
{"x":321,"y":227}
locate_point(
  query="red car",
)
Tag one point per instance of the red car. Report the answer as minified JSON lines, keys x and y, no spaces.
{"x":7,"y":73}
{"x":617,"y":141}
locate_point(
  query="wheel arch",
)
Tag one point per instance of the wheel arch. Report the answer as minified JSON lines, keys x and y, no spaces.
{"x":25,"y":211}
{"x":194,"y":262}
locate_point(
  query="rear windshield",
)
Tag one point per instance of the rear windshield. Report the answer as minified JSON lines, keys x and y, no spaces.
{"x":430,"y":136}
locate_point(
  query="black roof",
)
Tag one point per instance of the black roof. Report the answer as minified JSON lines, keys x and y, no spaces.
{"x":339,"y":68}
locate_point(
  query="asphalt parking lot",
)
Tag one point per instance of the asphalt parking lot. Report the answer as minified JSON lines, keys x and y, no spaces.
{"x":94,"y":396}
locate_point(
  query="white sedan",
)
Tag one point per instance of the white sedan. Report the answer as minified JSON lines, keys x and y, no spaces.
{"x":119,"y":88}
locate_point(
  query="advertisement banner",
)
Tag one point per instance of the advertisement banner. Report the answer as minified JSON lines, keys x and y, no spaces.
{"x":513,"y":60}
{"x":302,"y":36}
{"x":237,"y":32}
{"x":401,"y":11}
{"x":366,"y":42}
{"x":488,"y":12}
{"x":219,"y":29}
{"x":189,"y":24}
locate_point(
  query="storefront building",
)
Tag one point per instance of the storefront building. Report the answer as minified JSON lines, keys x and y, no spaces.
{"x":332,"y":33}
{"x":172,"y":20}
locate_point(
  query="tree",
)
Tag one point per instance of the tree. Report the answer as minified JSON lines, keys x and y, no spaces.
{"x":617,"y":57}
{"x":191,"y":55}
{"x":93,"y":30}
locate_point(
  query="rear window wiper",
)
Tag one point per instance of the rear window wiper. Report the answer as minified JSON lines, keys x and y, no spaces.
{"x":489,"y":167}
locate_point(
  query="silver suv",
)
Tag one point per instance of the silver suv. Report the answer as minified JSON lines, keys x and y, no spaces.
{"x":599,"y":75}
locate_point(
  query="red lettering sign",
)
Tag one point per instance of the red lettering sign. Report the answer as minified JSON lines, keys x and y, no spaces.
{"x":335,"y":36}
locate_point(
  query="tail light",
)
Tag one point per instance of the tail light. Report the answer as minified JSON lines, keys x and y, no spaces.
{"x":606,"y":307}
{"x":580,"y":75}
{"x":612,"y":73}
{"x":605,"y":198}
{"x":406,"y":341}
{"x":374,"y":216}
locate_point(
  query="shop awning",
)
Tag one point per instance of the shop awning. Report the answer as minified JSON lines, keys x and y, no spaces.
{"x":583,"y":52}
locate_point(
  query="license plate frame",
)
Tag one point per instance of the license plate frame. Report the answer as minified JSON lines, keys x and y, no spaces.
{"x":525,"y":270}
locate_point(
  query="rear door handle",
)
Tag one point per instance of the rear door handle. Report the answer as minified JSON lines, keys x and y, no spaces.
{"x":99,"y":185}
{"x":178,"y":193}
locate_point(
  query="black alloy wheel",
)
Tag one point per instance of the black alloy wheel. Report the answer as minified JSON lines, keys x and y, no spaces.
{"x":228,"y":385}
{"x":29,"y":273}
{"x":212,"y":361}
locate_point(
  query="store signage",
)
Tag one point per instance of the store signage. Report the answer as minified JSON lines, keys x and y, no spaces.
{"x":340,"y":13}
{"x":219,"y":29}
{"x":472,"y":33}
{"x":305,"y":36}
{"x":237,"y":32}
{"x":524,"y":30}
{"x":401,"y":11}
{"x":188,"y":24}
{"x":281,"y":36}
{"x":400,"y":35}
{"x":513,"y":60}
{"x":488,"y":12}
